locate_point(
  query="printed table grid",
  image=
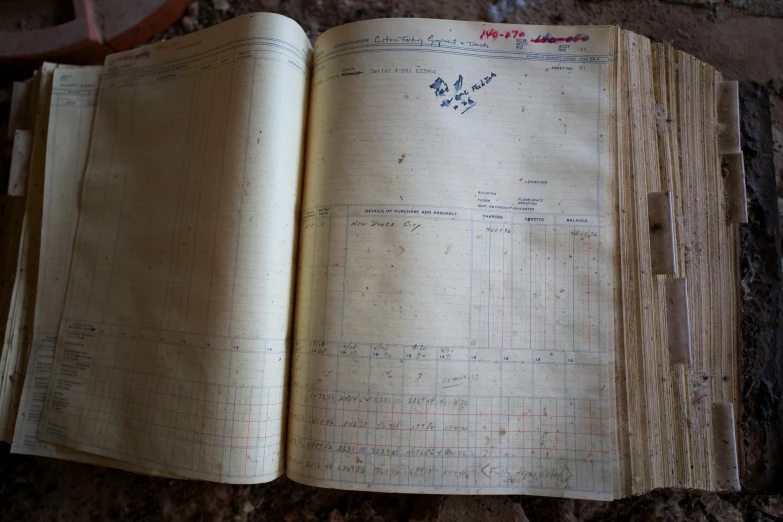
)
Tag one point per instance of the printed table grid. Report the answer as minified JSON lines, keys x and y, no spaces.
{"x":462,"y":353}
{"x":395,"y":435}
{"x":176,"y":359}
{"x":521,"y":458}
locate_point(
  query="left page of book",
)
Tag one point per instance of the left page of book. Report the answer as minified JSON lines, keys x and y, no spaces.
{"x":171,"y":352}
{"x":21,"y":296}
{"x":68,"y":134}
{"x":71,"y":108}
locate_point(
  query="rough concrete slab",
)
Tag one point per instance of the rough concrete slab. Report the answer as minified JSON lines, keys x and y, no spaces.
{"x":99,"y":27}
{"x":761,"y":360}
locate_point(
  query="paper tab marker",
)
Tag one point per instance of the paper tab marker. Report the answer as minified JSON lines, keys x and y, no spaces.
{"x":678,"y":323}
{"x":724,"y":447}
{"x":659,"y":211}
{"x":728,"y":117}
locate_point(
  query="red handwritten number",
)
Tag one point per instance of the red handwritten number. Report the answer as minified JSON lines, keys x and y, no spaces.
{"x":494,"y":34}
{"x":547,"y":38}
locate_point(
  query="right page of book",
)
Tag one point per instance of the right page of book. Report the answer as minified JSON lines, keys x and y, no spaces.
{"x":454,"y":324}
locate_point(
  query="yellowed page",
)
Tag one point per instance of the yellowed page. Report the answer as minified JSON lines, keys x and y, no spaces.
{"x":454,"y":319}
{"x":73,"y":97}
{"x":68,"y":138}
{"x":19,"y":321}
{"x":171,"y":353}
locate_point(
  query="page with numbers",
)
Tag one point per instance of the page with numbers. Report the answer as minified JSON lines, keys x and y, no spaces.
{"x":172,"y":349}
{"x":455,"y":300}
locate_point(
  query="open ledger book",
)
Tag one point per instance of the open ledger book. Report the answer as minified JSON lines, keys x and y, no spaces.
{"x":423,"y":256}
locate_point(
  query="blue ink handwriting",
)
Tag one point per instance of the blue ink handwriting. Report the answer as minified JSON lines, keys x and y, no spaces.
{"x":461,"y":98}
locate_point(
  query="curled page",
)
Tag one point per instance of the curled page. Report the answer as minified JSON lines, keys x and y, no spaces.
{"x":172,"y":348}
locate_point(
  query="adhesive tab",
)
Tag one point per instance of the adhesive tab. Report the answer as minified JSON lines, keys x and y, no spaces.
{"x":20,"y":163}
{"x":678,"y":322}
{"x":724,"y":448}
{"x":659,"y":212}
{"x":17,"y":117}
{"x":733,"y":169}
{"x":728,"y":118}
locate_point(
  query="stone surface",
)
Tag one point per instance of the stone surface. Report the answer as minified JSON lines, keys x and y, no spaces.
{"x":81,"y":34}
{"x":127,"y":24}
{"x":761,"y":444}
{"x":98,"y":27}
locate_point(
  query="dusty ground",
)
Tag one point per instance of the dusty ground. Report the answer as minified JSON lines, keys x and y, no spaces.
{"x":53,"y":490}
{"x":27,"y":15}
{"x":739,"y":37}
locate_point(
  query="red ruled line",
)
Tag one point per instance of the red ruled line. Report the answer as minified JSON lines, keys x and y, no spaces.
{"x":391,"y":437}
{"x":175,"y":412}
{"x":588,"y":298}
{"x":592,"y":467}
{"x":156,"y":392}
{"x":470,"y":414}
{"x":185,"y":429}
{"x":458,"y":416}
{"x":438,"y":430}
{"x":384,"y":446}
{"x":426,"y":422}
{"x":557,"y":430}
{"x":214,"y":436}
{"x":247,"y":438}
